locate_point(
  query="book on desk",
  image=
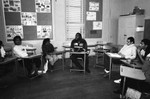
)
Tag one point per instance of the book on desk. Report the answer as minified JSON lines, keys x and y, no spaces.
{"x":116,"y":55}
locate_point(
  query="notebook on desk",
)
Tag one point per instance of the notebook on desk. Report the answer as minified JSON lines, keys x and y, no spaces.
{"x":116,"y":55}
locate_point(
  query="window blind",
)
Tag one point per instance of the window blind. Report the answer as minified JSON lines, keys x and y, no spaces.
{"x":74,"y":18}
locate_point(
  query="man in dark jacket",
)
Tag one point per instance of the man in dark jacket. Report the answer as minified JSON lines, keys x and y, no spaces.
{"x":78,"y":45}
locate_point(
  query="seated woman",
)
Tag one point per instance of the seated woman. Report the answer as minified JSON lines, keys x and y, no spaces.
{"x":143,"y":52}
{"x":48,"y":53}
{"x":20,"y":51}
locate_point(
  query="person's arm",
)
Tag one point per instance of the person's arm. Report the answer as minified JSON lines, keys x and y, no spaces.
{"x":85,"y":45}
{"x":139,"y":55}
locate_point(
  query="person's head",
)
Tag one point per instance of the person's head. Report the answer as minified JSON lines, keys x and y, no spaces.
{"x":130,"y":41}
{"x":17,"y":40}
{"x":1,"y":44}
{"x":145,"y":43}
{"x":78,"y":36}
{"x":46,"y":41}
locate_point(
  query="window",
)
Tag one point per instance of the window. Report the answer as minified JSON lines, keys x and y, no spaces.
{"x":74,"y":18}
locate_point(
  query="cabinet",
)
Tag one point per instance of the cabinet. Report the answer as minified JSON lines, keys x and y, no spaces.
{"x":127,"y":27}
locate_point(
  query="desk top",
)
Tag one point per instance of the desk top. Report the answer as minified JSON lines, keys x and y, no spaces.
{"x":78,"y":52}
{"x":8,"y":60}
{"x":114,"y":55}
{"x":92,"y":45}
{"x":134,"y":64}
{"x":32,"y":56}
{"x":132,"y":73}
{"x":30,"y":48}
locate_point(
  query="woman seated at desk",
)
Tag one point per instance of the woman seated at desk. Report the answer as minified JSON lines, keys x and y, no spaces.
{"x":48,"y":53}
{"x":20,"y":51}
{"x":78,"y":45}
{"x":143,"y":56}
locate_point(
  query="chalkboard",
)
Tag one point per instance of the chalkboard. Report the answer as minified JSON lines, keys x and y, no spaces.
{"x":93,"y":23}
{"x":31,"y":19}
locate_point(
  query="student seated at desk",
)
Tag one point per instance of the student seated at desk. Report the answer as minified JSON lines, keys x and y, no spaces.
{"x":128,"y":51}
{"x":78,"y":45}
{"x":5,"y":69}
{"x":20,"y":51}
{"x":48,"y":53}
{"x":143,"y":50}
{"x":143,"y":56}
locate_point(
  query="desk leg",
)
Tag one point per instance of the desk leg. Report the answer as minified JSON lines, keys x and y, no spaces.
{"x":84,"y":62}
{"x":123,"y":89}
{"x":24,"y":68}
{"x":63,"y":60}
{"x":110,"y":68}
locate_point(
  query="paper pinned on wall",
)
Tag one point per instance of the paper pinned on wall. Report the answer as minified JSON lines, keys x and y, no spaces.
{"x":13,"y":30}
{"x":90,"y":15}
{"x":44,"y":31}
{"x":97,"y":25}
{"x":93,"y":6}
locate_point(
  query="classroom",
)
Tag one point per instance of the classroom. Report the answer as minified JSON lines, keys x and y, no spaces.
{"x":74,"y":49}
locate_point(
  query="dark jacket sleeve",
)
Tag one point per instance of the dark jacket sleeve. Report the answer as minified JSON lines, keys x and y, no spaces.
{"x":85,"y":44}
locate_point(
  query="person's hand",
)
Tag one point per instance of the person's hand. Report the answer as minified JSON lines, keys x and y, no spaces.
{"x":122,"y":55}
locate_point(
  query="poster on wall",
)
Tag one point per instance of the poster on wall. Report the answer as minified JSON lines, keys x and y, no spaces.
{"x":43,"y":6}
{"x":97,"y":25}
{"x":12,"y":5}
{"x":44,"y":31}
{"x":90,"y":15}
{"x":93,"y":6}
{"x":28,"y":18}
{"x":12,"y":31}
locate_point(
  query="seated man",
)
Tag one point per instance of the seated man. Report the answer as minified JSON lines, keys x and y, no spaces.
{"x":20,"y":51}
{"x":128,"y":51}
{"x":143,"y":56}
{"x":78,"y":45}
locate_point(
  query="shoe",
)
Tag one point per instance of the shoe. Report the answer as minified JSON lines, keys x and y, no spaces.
{"x":87,"y":70}
{"x":118,"y":91}
{"x":106,"y":71}
{"x":40,"y":72}
{"x":117,"y":81}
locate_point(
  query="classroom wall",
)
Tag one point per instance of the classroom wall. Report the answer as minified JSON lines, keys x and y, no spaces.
{"x":111,"y":11}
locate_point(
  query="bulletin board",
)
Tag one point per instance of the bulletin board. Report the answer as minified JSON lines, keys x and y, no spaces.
{"x":30,"y":19}
{"x":93,"y":23}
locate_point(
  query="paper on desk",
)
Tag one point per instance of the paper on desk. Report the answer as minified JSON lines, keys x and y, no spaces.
{"x":114,"y":55}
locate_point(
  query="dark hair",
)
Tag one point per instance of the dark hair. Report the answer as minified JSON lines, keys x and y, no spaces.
{"x":45,"y":41}
{"x":131,"y":39}
{"x":80,"y":36}
{"x":17,"y":37}
{"x":146,"y":42}
{"x":1,"y":44}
